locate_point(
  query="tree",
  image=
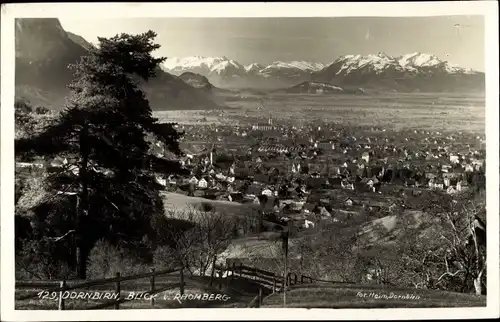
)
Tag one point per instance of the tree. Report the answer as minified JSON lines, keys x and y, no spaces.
{"x":452,"y":255}
{"x":103,"y":131}
{"x":195,"y":238}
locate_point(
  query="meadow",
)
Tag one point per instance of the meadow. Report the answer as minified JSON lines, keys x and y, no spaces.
{"x":397,"y":111}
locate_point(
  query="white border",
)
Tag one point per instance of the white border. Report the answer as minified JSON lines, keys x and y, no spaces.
{"x":488,"y":9}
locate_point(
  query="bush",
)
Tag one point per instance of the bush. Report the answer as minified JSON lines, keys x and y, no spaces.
{"x":206,"y":207}
{"x":41,"y":110}
{"x":105,"y":260}
{"x":38,"y":259}
{"x":165,"y":258}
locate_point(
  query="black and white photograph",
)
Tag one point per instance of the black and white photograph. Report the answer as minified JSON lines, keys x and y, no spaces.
{"x":204,"y":159}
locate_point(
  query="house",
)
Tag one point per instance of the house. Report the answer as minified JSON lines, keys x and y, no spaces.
{"x":267,"y":192}
{"x":58,"y":162}
{"x":393,"y":207}
{"x":193,"y":181}
{"x":172,"y":180}
{"x":308,"y":224}
{"x":325,"y":145}
{"x":202,"y":183}
{"x":469,"y":168}
{"x":347,"y":185}
{"x":462,"y":185}
{"x":438,"y":184}
{"x":308,"y":208}
{"x":161,"y":181}
{"x":348,"y":202}
{"x":451,"y":190}
{"x":366,"y":157}
{"x":454,"y":159}
{"x":297,"y":205}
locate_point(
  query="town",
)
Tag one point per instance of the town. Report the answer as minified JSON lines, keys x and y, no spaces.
{"x":323,"y":170}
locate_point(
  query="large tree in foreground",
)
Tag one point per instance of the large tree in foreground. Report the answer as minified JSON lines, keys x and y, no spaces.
{"x":103,"y":133}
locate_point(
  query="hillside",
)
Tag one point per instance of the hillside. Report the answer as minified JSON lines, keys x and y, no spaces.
{"x":309,"y":87}
{"x":44,"y":50}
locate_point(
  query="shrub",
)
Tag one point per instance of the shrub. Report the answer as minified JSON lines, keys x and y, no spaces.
{"x":37,"y":259}
{"x":41,"y":110}
{"x":206,"y":207}
{"x":165,"y":258}
{"x":105,"y":260}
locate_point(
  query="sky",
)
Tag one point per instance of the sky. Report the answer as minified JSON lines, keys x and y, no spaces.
{"x":457,"y":39}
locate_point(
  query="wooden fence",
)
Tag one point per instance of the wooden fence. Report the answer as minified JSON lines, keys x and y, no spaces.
{"x":224,"y":276}
{"x":265,"y":279}
{"x":64,"y":286}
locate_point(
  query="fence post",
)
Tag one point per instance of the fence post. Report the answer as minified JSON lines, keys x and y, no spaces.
{"x":260,"y":296}
{"x":182,"y":281}
{"x":221,"y":271}
{"x":118,"y":291}
{"x":62,"y":285}
{"x":301,"y":279}
{"x":233,"y":271}
{"x":212,"y":273}
{"x":294,"y":278}
{"x":152,"y":286}
{"x":274,"y":283}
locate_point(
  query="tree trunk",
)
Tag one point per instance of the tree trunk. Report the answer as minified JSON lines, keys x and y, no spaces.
{"x":478,"y":286}
{"x":84,"y":203}
{"x":213,"y":271}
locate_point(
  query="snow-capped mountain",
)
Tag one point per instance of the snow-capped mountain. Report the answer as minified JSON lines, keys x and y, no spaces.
{"x":418,"y":61}
{"x":224,"y":72}
{"x":377,"y":63}
{"x":254,"y":68}
{"x":415,"y":71}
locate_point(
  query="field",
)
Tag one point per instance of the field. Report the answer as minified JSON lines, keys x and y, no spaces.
{"x":175,"y":202}
{"x":426,"y":111}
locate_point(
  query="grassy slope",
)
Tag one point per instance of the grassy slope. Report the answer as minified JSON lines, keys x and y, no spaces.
{"x":180,"y":202}
{"x":349,"y":296}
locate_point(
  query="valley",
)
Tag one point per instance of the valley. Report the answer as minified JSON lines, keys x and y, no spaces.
{"x":356,"y":171}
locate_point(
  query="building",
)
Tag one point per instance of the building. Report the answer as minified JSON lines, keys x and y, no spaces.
{"x":264,"y":127}
{"x":202,"y":183}
{"x":268,"y":192}
{"x":348,"y":202}
{"x":366,"y":156}
{"x":454,"y":159}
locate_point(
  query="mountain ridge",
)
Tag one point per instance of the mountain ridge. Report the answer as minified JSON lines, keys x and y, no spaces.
{"x":44,"y":50}
{"x":373,"y":70}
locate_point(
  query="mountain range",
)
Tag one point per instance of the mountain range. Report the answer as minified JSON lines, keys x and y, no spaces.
{"x":411,"y":72}
{"x":44,"y":50}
